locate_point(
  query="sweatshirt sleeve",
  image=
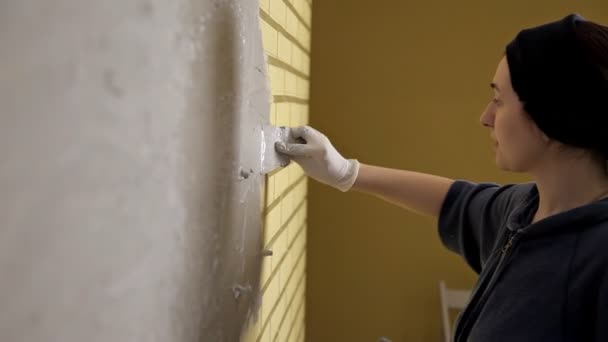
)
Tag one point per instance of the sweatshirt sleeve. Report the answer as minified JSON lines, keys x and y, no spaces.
{"x":472,"y":217}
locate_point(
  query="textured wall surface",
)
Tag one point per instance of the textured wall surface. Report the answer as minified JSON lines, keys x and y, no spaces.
{"x":124,"y":127}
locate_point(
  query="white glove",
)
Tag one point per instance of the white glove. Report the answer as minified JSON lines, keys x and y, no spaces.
{"x":319,"y":158}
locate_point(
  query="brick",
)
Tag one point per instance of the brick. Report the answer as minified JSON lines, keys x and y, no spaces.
{"x":265,"y":5}
{"x":291,"y":24}
{"x":299,"y":5}
{"x":284,"y":49}
{"x":269,"y":38}
{"x":273,"y":114}
{"x":296,"y":57}
{"x":272,"y":223}
{"x":277,"y":11}
{"x":277,"y":80}
{"x":302,"y":88}
{"x":280,"y":183}
{"x":306,"y":13}
{"x":305,"y":64}
{"x":290,"y":83}
{"x":269,"y":190}
{"x":283,"y":114}
{"x":266,"y":269}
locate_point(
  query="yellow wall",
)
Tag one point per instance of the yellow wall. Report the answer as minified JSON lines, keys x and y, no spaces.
{"x":401,"y":84}
{"x":286,"y":33}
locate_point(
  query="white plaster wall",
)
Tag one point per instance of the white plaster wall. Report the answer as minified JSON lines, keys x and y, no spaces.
{"x":123,"y":127}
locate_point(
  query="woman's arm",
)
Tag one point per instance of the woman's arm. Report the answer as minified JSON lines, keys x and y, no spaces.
{"x":418,"y":192}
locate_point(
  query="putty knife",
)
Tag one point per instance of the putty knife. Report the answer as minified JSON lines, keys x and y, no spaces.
{"x":271,"y":159}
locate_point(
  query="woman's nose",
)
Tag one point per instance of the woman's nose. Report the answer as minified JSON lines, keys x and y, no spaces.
{"x":487,"y":117}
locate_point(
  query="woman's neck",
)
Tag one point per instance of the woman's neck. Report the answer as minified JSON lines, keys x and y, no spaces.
{"x":567,"y":185}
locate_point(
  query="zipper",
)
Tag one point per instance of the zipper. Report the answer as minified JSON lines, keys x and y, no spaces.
{"x":506,"y":247}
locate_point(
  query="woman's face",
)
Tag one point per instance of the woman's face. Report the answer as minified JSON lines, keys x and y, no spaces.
{"x":518,"y":141}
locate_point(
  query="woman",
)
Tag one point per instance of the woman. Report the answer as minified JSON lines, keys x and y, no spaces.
{"x":540,"y":248}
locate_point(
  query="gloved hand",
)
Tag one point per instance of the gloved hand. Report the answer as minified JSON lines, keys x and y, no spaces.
{"x":319,"y":158}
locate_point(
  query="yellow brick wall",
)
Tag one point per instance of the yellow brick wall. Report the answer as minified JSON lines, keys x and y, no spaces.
{"x":286,"y":34}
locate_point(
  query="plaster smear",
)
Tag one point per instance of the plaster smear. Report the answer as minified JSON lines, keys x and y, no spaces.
{"x":124,"y":130}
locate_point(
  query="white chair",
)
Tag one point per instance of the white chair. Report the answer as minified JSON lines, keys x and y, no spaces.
{"x":451,"y":299}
